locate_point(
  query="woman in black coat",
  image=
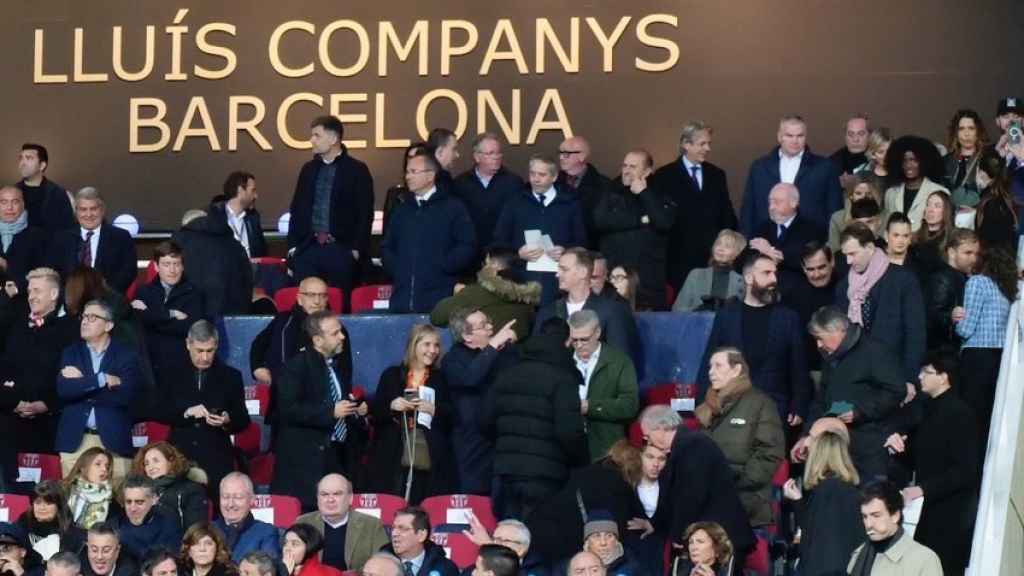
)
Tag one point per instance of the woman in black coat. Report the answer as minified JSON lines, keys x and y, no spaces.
{"x":941,"y":433}
{"x":398,"y":409}
{"x":180,"y":497}
{"x":49,"y":516}
{"x":828,"y":506}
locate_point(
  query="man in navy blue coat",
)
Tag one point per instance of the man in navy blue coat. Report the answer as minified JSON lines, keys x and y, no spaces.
{"x":770,"y":337}
{"x":430,"y":241}
{"x":784,"y":236}
{"x":793,"y":163}
{"x":95,"y":243}
{"x":97,"y":382}
{"x":546,"y":207}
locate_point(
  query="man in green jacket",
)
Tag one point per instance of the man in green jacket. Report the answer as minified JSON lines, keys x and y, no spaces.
{"x":609,"y":396}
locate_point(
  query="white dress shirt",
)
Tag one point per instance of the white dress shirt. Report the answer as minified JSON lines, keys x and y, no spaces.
{"x":586,"y":368}
{"x":689,"y":171}
{"x":789,"y":166}
{"x":237,"y":224}
{"x":549,"y":196}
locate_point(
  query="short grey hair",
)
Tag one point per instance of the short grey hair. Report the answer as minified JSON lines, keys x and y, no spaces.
{"x":264,"y":564}
{"x":690,"y":130}
{"x":794,"y":192}
{"x":583,"y":318}
{"x":483,"y":137}
{"x":48,"y":274}
{"x":203,"y":331}
{"x":391,"y":559}
{"x":659,"y":417}
{"x":89,"y":193}
{"x":66,"y":559}
{"x":524,"y":532}
{"x":458,"y":322}
{"x":795,"y":118}
{"x":828,"y":319}
{"x":108,"y":310}
{"x":240,"y":477}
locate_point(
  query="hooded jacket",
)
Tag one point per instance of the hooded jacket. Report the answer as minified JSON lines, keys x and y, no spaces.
{"x":497,"y":295}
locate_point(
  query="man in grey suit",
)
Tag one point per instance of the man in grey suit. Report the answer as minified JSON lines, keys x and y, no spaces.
{"x":350,"y":537}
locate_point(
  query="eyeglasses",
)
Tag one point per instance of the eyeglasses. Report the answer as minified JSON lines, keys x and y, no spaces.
{"x":90,"y":317}
{"x":315,"y":295}
{"x":568,"y":152}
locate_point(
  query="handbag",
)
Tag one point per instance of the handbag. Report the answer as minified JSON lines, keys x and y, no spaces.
{"x":420,"y":452}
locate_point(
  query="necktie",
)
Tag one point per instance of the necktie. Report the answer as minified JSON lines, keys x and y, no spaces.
{"x":408,"y":568}
{"x":782,"y":230}
{"x":540,"y":198}
{"x":340,"y":427}
{"x":35,"y":321}
{"x":696,"y":180}
{"x":419,"y":203}
{"x":85,"y":253}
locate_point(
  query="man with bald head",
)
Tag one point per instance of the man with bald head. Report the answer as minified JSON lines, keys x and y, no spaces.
{"x":22,"y":247}
{"x":586,"y":564}
{"x":578,"y":175}
{"x":350,"y":537}
{"x":793,"y":163}
{"x":783,"y":236}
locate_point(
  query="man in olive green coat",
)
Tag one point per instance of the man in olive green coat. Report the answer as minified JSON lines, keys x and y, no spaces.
{"x":350,"y":537}
{"x":609,"y":396}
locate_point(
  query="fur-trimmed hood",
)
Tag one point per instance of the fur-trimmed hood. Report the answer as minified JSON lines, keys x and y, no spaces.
{"x":526,"y":293}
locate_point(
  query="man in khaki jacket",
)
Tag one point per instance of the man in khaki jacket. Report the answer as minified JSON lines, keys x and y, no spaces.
{"x":350,"y":537}
{"x":889,"y":551}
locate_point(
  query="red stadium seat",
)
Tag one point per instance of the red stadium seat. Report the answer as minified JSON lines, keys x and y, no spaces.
{"x":285,"y":298}
{"x":147,"y":278}
{"x":452,"y":508}
{"x":261,"y":469}
{"x":271,"y":261}
{"x":35,"y":467}
{"x":457,"y":546}
{"x":281,"y":511}
{"x":382,"y":506}
{"x":248,"y":440}
{"x":760,"y":560}
{"x":148,"y":432}
{"x":12,"y":506}
{"x":371,"y":298}
{"x":670,"y":295}
{"x":257,"y":398}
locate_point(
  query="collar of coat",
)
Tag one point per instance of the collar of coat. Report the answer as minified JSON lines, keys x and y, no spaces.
{"x":526,"y":293}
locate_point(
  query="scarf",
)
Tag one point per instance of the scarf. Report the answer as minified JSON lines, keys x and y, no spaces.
{"x":89,"y":503}
{"x":861,"y":284}
{"x":9,"y":229}
{"x":866,"y":559}
{"x":716,"y":400}
{"x":232,"y":532}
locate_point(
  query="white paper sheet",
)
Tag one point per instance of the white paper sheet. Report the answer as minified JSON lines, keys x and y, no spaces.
{"x":545,"y":263}
{"x":263,"y":514}
{"x":253,"y":407}
{"x":29,"y":474}
{"x":458,"y":515}
{"x":430,"y":395}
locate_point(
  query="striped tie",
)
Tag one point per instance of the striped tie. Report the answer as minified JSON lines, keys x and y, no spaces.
{"x":340,"y":427}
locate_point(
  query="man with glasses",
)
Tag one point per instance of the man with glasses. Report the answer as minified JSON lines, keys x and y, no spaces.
{"x":430,"y":240}
{"x":609,"y":395}
{"x":487,"y":186}
{"x":350,"y":537}
{"x":578,"y":175}
{"x":477,"y":356}
{"x":97,"y":383}
{"x":514,"y":535}
{"x":242,"y":532}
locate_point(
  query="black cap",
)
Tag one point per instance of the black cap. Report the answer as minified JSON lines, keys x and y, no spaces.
{"x":13,"y":534}
{"x":1010,"y":104}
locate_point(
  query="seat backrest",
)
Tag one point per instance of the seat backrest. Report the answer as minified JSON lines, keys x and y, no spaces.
{"x":285,"y":298}
{"x":248,"y":440}
{"x":372,"y":297}
{"x":452,"y":508}
{"x":281,"y":511}
{"x":381,"y":506}
{"x":457,"y":546}
{"x":257,"y":399}
{"x":33,"y":467}
{"x":12,"y":506}
{"x":670,"y":295}
{"x":261,"y":469}
{"x":148,"y":432}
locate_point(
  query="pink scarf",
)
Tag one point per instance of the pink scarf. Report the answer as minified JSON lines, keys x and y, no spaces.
{"x":861,"y":284}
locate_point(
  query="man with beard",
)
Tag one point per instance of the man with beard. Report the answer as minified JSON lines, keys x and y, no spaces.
{"x":770,"y":337}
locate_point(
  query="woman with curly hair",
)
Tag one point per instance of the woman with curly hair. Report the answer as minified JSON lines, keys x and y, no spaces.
{"x":90,"y":490}
{"x":204,"y":552}
{"x":915,"y":167}
{"x":981,"y":322}
{"x":174,"y":478}
{"x":966,"y":140}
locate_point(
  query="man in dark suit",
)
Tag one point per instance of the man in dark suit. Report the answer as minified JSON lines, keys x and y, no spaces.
{"x":204,"y":403}
{"x":331,"y":211}
{"x":698,"y":479}
{"x":618,"y":327}
{"x":97,"y":384}
{"x":700,"y":193}
{"x":215,"y":263}
{"x":793,"y":163}
{"x":237,"y":207}
{"x":28,"y":396}
{"x":430,"y":241}
{"x":350,"y":537}
{"x":486,"y":188}
{"x":783,"y":236}
{"x":103,"y":555}
{"x":771,"y":338}
{"x":580,"y":176}
{"x":95,"y":243}
{"x":319,"y":421}
{"x":410,"y":542}
{"x":22,"y":247}
{"x":46,"y":202}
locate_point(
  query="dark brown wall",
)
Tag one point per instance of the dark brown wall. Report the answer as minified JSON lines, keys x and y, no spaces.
{"x":742,"y":63}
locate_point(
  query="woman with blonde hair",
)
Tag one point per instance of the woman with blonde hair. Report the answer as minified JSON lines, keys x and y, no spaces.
{"x":863,"y":186}
{"x":928,"y":244}
{"x":178,"y":484}
{"x":412,"y":415}
{"x":744,"y":422}
{"x":90,"y":489}
{"x":707,"y":288}
{"x":828,"y":505}
{"x":204,"y":552}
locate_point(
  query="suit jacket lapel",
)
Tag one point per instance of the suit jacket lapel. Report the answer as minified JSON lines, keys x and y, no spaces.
{"x":773,"y":166}
{"x":805,"y":166}
{"x":352,"y":535}
{"x":97,"y":258}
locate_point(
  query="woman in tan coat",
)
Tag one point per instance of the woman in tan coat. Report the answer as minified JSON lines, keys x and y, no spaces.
{"x":915,"y":166}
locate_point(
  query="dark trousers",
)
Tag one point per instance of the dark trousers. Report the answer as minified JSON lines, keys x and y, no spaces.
{"x":516,"y":497}
{"x":979,"y":373}
{"x":331,"y":262}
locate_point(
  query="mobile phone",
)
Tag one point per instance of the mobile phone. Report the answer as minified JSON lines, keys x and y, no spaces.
{"x":411,"y":395}
{"x":1015,"y":132}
